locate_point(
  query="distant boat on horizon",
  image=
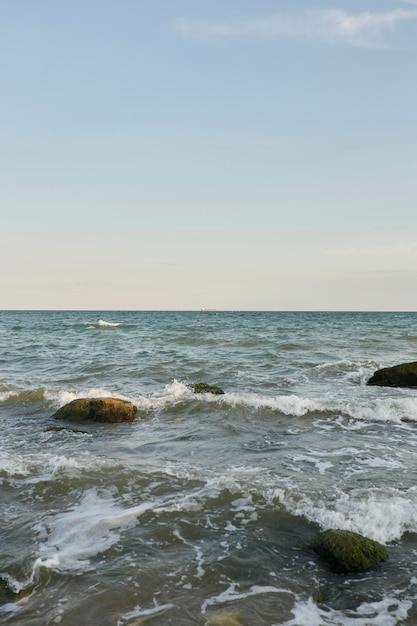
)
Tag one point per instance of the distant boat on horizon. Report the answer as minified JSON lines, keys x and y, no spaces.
{"x":204,"y":310}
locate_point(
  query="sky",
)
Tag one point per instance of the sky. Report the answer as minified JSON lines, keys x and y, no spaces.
{"x":231,"y":154}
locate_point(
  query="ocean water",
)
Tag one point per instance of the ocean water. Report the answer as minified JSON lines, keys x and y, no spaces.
{"x":203,"y":511}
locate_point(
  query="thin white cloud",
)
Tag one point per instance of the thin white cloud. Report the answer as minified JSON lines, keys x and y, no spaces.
{"x":366,"y":29}
{"x":398,"y":251}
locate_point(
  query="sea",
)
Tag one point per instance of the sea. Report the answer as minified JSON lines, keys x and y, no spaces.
{"x":203,"y":511}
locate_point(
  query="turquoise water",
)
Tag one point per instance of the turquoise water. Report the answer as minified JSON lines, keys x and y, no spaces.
{"x":206,"y":504}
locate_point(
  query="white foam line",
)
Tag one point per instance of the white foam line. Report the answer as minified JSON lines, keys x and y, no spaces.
{"x":199,"y":553}
{"x":388,"y":612}
{"x":139,"y":612}
{"x":231,"y":595}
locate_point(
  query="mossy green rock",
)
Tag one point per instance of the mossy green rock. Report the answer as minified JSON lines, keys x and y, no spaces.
{"x":109,"y":410}
{"x":205,"y":388}
{"x":403,"y":375}
{"x":346,"y":551}
{"x":6,"y":594}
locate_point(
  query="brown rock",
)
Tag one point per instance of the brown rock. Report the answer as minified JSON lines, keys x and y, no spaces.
{"x":110,"y":410}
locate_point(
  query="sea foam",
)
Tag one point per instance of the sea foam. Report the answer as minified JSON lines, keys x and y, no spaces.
{"x":402,"y":408}
{"x":105,"y":324}
{"x":382,"y":515}
{"x":232,"y":594}
{"x":71,"y":538}
{"x":389,"y":611}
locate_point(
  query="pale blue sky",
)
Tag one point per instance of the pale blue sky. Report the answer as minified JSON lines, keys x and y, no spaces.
{"x":174,"y":154}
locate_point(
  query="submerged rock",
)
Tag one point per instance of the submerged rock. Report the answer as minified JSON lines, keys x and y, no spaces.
{"x":403,"y":375}
{"x":58,"y":429}
{"x":111,"y":410}
{"x":224,"y":619}
{"x":346,"y":551}
{"x":205,"y":388}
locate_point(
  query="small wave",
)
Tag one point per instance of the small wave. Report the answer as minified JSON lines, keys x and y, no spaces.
{"x":12,"y":465}
{"x":56,"y":397}
{"x":59,"y":397}
{"x":409,"y":337}
{"x":101,"y":324}
{"x":394,"y":410}
{"x":287,"y":405}
{"x":104,"y":324}
{"x":171,"y":395}
{"x":44,"y":467}
{"x":288,"y":346}
{"x":397,"y":409}
{"x":351,"y":371}
{"x":22,"y":396}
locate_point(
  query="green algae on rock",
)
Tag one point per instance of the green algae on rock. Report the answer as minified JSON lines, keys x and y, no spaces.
{"x":346,"y":551}
{"x":6,"y":594}
{"x":205,"y":388}
{"x":403,"y":375}
{"x":108,"y":410}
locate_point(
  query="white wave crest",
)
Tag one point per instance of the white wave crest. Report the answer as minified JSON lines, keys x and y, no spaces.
{"x":61,"y":396}
{"x":13,"y":465}
{"x":35,"y":468}
{"x":105,"y":324}
{"x":171,"y":394}
{"x":386,"y":409}
{"x":382,"y":516}
{"x":5,"y":395}
{"x":288,"y":405}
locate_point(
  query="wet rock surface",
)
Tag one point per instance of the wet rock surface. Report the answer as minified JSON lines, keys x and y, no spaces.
{"x":108,"y":410}
{"x":402,"y":375}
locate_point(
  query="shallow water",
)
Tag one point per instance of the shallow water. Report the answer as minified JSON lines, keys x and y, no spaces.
{"x":206,"y":504}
